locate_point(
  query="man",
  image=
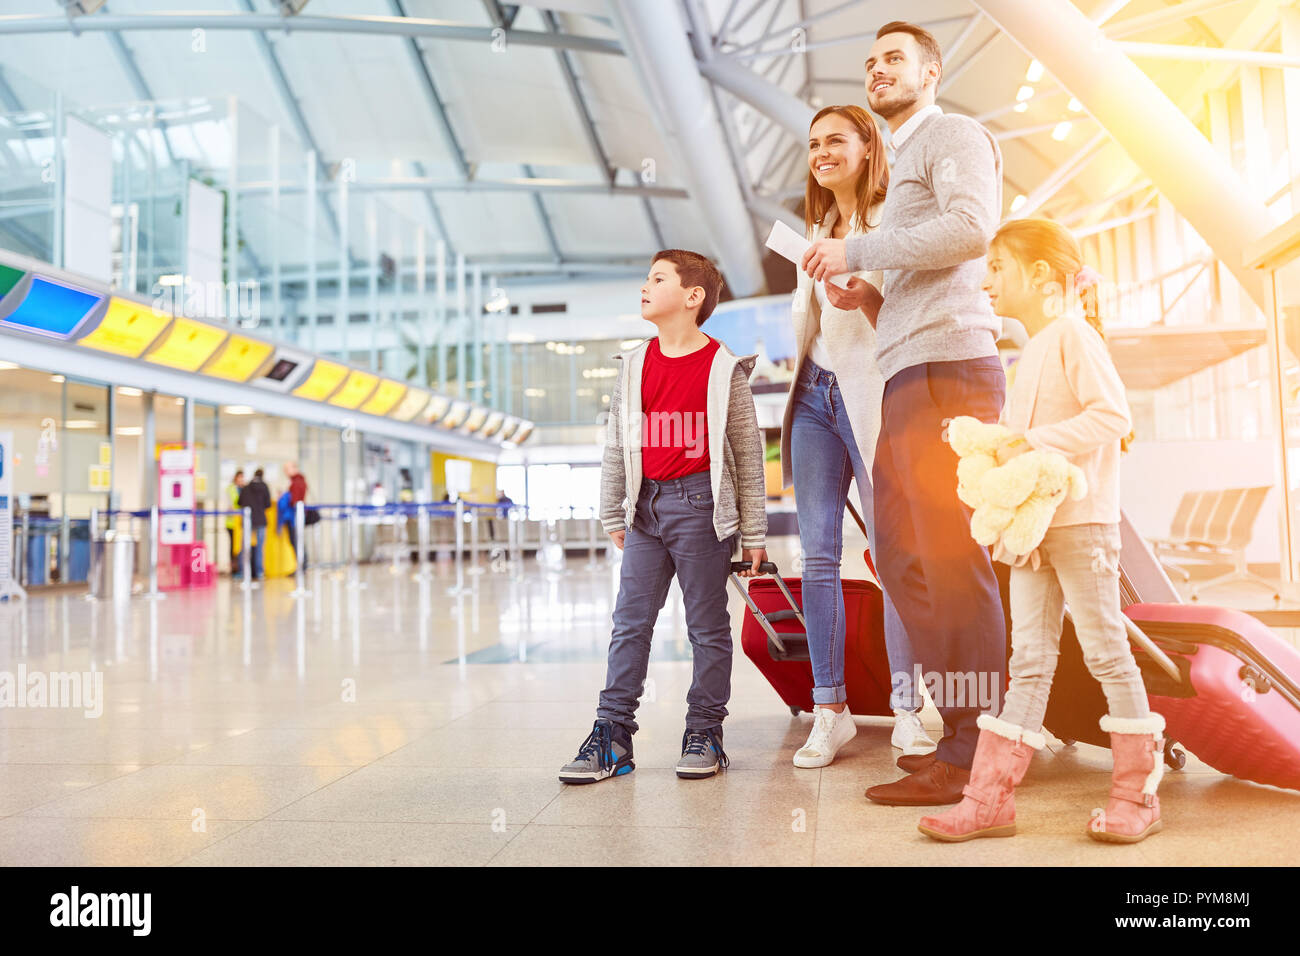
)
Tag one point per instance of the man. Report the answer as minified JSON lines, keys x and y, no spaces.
{"x":297,"y":493}
{"x":256,"y":497}
{"x":232,"y":522}
{"x":935,"y":339}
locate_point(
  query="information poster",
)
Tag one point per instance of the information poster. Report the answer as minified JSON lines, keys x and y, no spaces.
{"x":8,"y":586}
{"x":176,"y":493}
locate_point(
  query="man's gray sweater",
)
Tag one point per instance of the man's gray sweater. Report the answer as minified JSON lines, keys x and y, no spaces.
{"x":942,"y":208}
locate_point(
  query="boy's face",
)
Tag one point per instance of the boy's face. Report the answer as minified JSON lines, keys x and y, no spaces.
{"x":662,"y":295}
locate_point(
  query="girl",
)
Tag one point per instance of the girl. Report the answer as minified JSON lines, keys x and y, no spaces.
{"x":1067,"y":398}
{"x":832,"y":418}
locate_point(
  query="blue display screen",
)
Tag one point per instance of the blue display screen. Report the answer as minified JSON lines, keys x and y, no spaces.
{"x":52,"y":309}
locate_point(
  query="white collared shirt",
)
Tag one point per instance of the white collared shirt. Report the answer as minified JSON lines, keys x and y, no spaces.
{"x":906,"y":130}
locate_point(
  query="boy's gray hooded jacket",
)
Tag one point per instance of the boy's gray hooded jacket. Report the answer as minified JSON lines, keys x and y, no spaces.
{"x":735,"y":449}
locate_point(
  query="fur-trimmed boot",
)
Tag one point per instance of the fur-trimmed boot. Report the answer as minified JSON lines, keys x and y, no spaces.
{"x":1133,"y":811}
{"x":988,"y":804}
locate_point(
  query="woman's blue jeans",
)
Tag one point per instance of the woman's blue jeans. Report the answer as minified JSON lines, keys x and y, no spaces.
{"x":825,"y":460}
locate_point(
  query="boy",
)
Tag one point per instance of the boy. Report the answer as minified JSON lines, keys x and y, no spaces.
{"x":682,"y":474}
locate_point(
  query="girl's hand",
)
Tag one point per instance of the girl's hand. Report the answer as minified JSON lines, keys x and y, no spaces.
{"x":851,"y":299}
{"x":1011,"y":447}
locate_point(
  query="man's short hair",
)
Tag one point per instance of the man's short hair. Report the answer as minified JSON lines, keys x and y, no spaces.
{"x":258,"y":473}
{"x":930,"y":50}
{"x":694,"y":270}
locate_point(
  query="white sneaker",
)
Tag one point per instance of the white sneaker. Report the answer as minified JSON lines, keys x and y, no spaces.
{"x":909,"y":735}
{"x":830,"y":732}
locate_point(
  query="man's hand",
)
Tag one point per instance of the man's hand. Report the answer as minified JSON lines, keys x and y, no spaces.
{"x":618,"y":537}
{"x":854,"y":297}
{"x":825,"y":258}
{"x":755,"y":557}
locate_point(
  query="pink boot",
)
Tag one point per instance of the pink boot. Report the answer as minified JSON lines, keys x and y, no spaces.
{"x":988,"y":804}
{"x":1133,"y":811}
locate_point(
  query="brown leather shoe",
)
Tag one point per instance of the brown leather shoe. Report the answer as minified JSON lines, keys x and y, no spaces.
{"x":938,"y":784}
{"x":911,"y":763}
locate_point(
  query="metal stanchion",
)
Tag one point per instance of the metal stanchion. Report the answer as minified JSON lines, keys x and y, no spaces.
{"x":354,"y":550}
{"x":422,"y":538}
{"x":399,"y":521}
{"x":460,"y":548}
{"x":592,"y":542}
{"x":337,"y":557}
{"x":475,"y":568}
{"x":246,"y":551}
{"x":300,"y":536}
{"x":23,"y":577}
{"x":153,"y":594}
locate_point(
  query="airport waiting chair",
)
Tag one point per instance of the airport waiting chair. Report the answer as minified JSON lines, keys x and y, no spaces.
{"x":1218,"y":528}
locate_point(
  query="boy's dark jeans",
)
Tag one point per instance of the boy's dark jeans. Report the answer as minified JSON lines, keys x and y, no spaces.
{"x":673,"y":533}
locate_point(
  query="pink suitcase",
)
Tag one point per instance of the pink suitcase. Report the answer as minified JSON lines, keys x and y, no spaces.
{"x":1237,"y":707}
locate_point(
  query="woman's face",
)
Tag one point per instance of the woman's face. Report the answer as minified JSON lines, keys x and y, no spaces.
{"x":837,"y":153}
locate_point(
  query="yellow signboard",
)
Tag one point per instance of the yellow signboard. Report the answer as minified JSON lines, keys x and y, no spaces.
{"x":355,"y":390}
{"x":105,"y":453}
{"x":128,"y":328}
{"x":99,"y":478}
{"x":415,"y":401}
{"x":238,"y":359}
{"x":325,"y":377}
{"x":437,"y":409}
{"x":476,"y":419}
{"x":385,"y":397}
{"x":492,"y":425}
{"x":187,"y":345}
{"x":200,"y":483}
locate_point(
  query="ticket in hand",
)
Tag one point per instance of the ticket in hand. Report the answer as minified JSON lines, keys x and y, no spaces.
{"x":788,"y":244}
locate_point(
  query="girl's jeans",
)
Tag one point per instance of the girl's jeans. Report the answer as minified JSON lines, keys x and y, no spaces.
{"x":1080,"y":567}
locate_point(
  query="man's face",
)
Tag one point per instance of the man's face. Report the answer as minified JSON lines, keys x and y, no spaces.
{"x":896,"y":75}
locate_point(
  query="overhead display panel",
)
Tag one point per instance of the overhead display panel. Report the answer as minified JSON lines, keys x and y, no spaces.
{"x":456,"y":416}
{"x":284,"y":371}
{"x":474,"y":421}
{"x":239,"y":359}
{"x":385,"y":398}
{"x":128,"y":328}
{"x":436,"y":410}
{"x":509,"y":427}
{"x":324,"y":379}
{"x":416,"y":401}
{"x":48,"y":307}
{"x":521,"y":435}
{"x":187,"y":345}
{"x":492,"y":425}
{"x":355,"y":390}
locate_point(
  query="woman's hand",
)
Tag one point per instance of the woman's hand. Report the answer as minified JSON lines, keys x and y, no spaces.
{"x":850,"y":299}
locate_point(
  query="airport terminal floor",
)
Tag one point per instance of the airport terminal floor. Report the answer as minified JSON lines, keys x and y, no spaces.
{"x":396,"y":723}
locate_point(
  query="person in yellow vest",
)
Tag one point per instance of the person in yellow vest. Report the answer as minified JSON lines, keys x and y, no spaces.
{"x":232,"y":523}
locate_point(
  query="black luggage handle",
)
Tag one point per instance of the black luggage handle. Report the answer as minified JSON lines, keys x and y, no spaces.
{"x":765,"y":620}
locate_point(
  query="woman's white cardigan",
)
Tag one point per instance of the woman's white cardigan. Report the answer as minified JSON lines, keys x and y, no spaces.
{"x":851,"y":341}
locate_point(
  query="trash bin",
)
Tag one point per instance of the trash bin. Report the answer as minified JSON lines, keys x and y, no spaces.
{"x":112,"y":565}
{"x":79,"y":551}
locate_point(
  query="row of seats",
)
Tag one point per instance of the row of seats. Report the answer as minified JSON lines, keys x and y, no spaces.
{"x":1212,"y":527}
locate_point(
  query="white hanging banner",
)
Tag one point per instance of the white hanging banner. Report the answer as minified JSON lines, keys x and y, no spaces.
{"x":8,"y":586}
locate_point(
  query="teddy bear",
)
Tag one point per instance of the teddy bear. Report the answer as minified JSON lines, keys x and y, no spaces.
{"x":1013,"y":496}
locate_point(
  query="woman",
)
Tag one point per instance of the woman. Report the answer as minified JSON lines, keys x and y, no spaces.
{"x":832,"y":419}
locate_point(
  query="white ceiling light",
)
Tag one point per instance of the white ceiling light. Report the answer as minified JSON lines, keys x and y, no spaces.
{"x":7,"y":366}
{"x":521,"y":338}
{"x":237,"y":410}
{"x":81,"y":423}
{"x":128,"y":391}
{"x":1019,"y":201}
{"x":1024,"y":93}
{"x":1075,"y":105}
{"x":57,"y":379}
{"x":1062,"y":130}
{"x":130,"y":431}
{"x":1035,"y":71}
{"x":1021,"y":107}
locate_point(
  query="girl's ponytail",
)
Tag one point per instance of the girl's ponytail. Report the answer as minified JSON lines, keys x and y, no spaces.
{"x":1087,"y":283}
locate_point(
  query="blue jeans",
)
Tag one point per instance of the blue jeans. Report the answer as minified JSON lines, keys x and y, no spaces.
{"x":255,"y":553}
{"x":825,"y":459}
{"x":940,"y":579}
{"x":673,"y":534}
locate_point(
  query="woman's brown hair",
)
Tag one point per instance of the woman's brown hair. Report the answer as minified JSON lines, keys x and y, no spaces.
{"x":873,"y":181}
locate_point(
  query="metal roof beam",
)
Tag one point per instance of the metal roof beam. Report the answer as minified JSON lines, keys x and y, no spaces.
{"x":520,"y":184}
{"x":579,"y":102}
{"x":545,"y":219}
{"x":356,"y":24}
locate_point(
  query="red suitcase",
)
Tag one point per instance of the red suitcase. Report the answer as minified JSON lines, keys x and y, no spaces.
{"x":1237,"y":707}
{"x":774,"y":638}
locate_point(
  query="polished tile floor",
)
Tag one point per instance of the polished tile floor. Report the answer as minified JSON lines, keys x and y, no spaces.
{"x":399,"y":723}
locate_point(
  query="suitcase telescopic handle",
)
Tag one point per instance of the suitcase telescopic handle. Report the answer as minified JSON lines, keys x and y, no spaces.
{"x":767,"y":567}
{"x":1155,"y":653}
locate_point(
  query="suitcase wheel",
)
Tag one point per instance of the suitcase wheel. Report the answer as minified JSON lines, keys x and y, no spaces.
{"x":795,"y":711}
{"x":1176,"y":759}
{"x":1068,"y":741}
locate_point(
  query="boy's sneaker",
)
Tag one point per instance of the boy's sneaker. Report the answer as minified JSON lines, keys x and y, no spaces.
{"x":607,"y":752}
{"x":702,"y":754}
{"x":909,"y":735}
{"x":830,"y":731}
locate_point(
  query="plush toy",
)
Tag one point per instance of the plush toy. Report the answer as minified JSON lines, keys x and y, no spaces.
{"x":1013,"y":497}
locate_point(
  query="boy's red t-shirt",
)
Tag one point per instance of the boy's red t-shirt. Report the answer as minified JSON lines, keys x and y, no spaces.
{"x":674,"y":408}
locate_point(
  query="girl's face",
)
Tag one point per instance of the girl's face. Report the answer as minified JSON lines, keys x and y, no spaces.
{"x":1010,"y":284}
{"x":837,"y":154}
